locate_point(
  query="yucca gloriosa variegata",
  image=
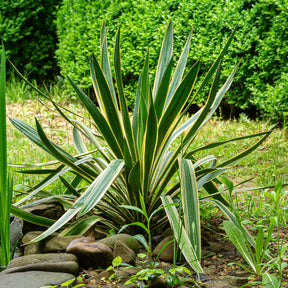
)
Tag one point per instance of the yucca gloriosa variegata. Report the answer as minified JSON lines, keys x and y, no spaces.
{"x":136,"y":160}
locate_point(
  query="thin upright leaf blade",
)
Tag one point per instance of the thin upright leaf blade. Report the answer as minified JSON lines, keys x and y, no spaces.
{"x":99,"y":120}
{"x":123,"y":105}
{"x":110,"y":109}
{"x":179,"y":70}
{"x":105,"y":64}
{"x":190,"y":203}
{"x":181,"y":236}
{"x":238,"y":240}
{"x":164,"y":58}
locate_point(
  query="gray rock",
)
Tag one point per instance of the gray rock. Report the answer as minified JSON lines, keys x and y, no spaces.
{"x":16,"y":234}
{"x":166,"y":233}
{"x":219,"y":283}
{"x":237,"y":281}
{"x":40,"y":258}
{"x":51,"y":244}
{"x":90,"y":253}
{"x":51,"y":209}
{"x":168,"y":252}
{"x":34,"y":248}
{"x":70,"y":267}
{"x":54,"y":262}
{"x":127,"y":239}
{"x":127,"y":255}
{"x":58,"y":243}
{"x":33,"y":279}
{"x":207,"y":253}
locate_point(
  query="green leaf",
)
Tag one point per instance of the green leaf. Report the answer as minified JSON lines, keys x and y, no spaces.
{"x":233,"y":219}
{"x":67,"y":283}
{"x":69,"y":187}
{"x":99,"y":186}
{"x":99,"y":120}
{"x":244,"y":153}
{"x":164,"y":58}
{"x":149,"y":147}
{"x":143,"y":241}
{"x":190,"y":203}
{"x":5,"y":190}
{"x":105,"y":62}
{"x":31,"y":218}
{"x":161,"y":96}
{"x":66,"y":217}
{"x":110,"y":110}
{"x":116,"y":261}
{"x":139,"y":224}
{"x":237,"y":238}
{"x":123,"y":104}
{"x":259,"y":244}
{"x":81,"y":226}
{"x":132,"y":208}
{"x":181,"y":236}
{"x":179,"y":70}
{"x":270,"y":281}
{"x":177,"y":102}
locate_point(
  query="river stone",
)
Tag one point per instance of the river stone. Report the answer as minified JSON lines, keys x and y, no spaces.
{"x":90,"y":253}
{"x":235,"y":280}
{"x":40,"y":258}
{"x":50,"y":244}
{"x":168,"y":252}
{"x":127,"y":239}
{"x":50,"y":209}
{"x":33,"y":279}
{"x":166,"y":233}
{"x":34,"y":248}
{"x":127,"y":255}
{"x":16,"y":234}
{"x":58,"y":243}
{"x":54,"y":262}
{"x":219,"y":283}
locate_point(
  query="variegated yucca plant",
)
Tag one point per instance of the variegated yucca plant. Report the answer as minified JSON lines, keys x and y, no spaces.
{"x":135,"y":158}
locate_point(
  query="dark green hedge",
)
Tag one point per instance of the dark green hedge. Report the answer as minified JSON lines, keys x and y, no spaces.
{"x":28,"y":31}
{"x":261,"y":42}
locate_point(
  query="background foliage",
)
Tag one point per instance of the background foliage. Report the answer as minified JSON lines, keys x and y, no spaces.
{"x":29,"y":32}
{"x":261,"y":40}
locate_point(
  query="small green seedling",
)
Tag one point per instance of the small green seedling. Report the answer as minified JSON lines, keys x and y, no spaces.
{"x":145,"y":277}
{"x":115,"y":267}
{"x":66,"y":284}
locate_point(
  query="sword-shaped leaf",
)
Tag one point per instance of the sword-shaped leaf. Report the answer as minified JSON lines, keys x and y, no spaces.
{"x":123,"y":105}
{"x":99,"y":120}
{"x":105,"y":64}
{"x":110,"y":109}
{"x":190,"y":203}
{"x":99,"y":186}
{"x":188,"y":250}
{"x":165,"y":57}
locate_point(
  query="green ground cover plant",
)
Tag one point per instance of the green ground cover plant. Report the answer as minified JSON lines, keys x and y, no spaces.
{"x":263,"y":259}
{"x":133,"y":157}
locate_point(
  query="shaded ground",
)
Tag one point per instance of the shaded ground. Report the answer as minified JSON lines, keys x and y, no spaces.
{"x":217,"y":265}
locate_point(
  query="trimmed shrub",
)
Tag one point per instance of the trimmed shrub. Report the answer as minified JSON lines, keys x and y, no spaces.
{"x":261,"y":40}
{"x":28,"y":31}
